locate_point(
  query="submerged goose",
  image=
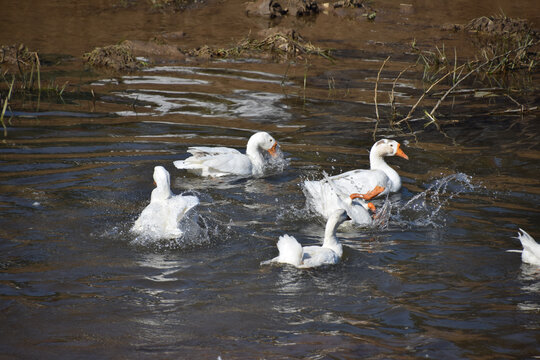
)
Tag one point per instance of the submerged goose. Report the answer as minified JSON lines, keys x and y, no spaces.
{"x":291,"y":252}
{"x":329,"y":200}
{"x":360,"y":215}
{"x":221,"y":161}
{"x":161,"y":218}
{"x":360,"y":181}
{"x":531,"y":249}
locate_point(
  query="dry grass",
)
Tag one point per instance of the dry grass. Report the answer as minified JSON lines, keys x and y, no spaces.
{"x":114,"y":57}
{"x":288,"y":45}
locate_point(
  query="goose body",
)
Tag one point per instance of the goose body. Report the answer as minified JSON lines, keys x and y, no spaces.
{"x":531,"y":249}
{"x":222,"y":161}
{"x":291,"y":252}
{"x":326,"y":199}
{"x":321,"y":195}
{"x":161,"y":218}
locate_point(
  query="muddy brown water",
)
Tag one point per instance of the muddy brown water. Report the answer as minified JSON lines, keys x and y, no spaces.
{"x":435,"y":282}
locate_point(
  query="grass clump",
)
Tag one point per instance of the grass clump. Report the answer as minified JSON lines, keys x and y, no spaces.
{"x":506,"y":49}
{"x":283,"y":45}
{"x":113,"y":57}
{"x":19,"y":60}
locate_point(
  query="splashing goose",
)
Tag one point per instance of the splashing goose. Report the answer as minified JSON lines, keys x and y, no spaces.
{"x":531,"y":249}
{"x":160,"y":219}
{"x":329,"y":198}
{"x":360,"y":214}
{"x":361,"y":180}
{"x":221,"y":161}
{"x":291,"y":252}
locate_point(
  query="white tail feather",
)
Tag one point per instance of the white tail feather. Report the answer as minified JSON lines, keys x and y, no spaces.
{"x":290,"y":250}
{"x":527,"y":240}
{"x":531,"y":249}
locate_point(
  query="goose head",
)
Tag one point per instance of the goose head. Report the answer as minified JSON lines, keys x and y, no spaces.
{"x":162,"y":180}
{"x":262,"y":141}
{"x":386,"y":147}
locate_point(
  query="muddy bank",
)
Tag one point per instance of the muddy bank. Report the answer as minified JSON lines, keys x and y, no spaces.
{"x":496,"y":25}
{"x":271,"y":45}
{"x":274,"y":43}
{"x":322,"y":45}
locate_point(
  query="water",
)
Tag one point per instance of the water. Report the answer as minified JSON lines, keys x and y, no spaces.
{"x":432,"y":280}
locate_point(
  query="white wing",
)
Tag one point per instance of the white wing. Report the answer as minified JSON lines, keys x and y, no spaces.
{"x":360,"y":181}
{"x":322,"y":198}
{"x":201,"y":151}
{"x":318,"y":256}
{"x":220,"y":163}
{"x":160,"y":219}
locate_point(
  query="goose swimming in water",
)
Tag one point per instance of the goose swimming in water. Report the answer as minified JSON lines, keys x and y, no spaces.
{"x":221,"y":161}
{"x":291,"y":252}
{"x":360,"y":181}
{"x":161,"y":218}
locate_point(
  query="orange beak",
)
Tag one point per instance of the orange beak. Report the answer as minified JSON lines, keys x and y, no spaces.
{"x":371,"y":207}
{"x":400,"y":153}
{"x":272,"y":150}
{"x":154,"y":183}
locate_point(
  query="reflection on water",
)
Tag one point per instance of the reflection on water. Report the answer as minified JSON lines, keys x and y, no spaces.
{"x":240,"y":103}
{"x":238,"y":74}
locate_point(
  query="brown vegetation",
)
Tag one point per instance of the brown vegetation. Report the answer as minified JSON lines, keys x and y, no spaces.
{"x":280,"y":44}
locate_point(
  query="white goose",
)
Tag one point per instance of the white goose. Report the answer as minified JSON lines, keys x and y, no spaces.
{"x":358,"y":181}
{"x":291,"y":252}
{"x":330,"y":199}
{"x":360,"y":214}
{"x":221,"y":161}
{"x":531,"y":249}
{"x":160,"y":219}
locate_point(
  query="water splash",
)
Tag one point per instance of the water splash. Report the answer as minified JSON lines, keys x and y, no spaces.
{"x":426,"y":208}
{"x":381,"y":219}
{"x":275,"y":164}
{"x":196,"y":231}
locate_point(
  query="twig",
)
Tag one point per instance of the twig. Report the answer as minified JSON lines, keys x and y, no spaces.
{"x":514,"y":100}
{"x":434,"y":121}
{"x":510,"y":111}
{"x":5,"y":107}
{"x":375,"y":97}
{"x":38,"y":66}
{"x":392,"y":97}
{"x":470,"y":91}
{"x":453,"y":87}
{"x":424,"y":95}
{"x":284,"y":79}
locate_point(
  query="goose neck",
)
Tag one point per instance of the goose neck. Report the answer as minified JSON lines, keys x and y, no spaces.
{"x":330,"y":239}
{"x":252,"y":151}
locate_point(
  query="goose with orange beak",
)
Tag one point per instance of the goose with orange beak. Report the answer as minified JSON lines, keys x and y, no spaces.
{"x":223,"y":161}
{"x":360,"y":181}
